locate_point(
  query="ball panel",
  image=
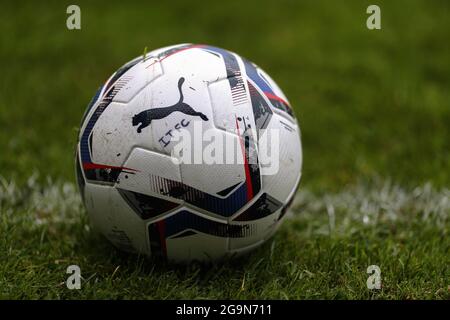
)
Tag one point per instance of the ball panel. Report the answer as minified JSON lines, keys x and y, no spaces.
{"x":137,"y":78}
{"x":189,"y":211}
{"x":214,"y":178}
{"x":196,"y":246}
{"x":185,"y":235}
{"x":177,"y":104}
{"x":164,"y":51}
{"x":227,"y":115}
{"x":113,"y":137}
{"x":281,"y":184}
{"x":145,"y":165}
{"x":263,"y":213}
{"x":269,"y":89}
{"x":155,"y":174}
{"x":115,"y":219}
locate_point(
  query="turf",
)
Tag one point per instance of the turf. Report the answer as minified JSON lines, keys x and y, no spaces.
{"x":374,"y":107}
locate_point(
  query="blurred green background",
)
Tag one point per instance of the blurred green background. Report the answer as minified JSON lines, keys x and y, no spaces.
{"x":371,"y":103}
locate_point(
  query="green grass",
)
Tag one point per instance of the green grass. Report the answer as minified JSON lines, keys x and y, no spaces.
{"x":323,"y":252}
{"x":374,"y":106}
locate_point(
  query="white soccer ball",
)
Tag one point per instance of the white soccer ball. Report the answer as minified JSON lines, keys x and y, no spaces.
{"x":138,"y":185}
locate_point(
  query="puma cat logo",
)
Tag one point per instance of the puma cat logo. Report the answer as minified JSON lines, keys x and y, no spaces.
{"x":144,"y":118}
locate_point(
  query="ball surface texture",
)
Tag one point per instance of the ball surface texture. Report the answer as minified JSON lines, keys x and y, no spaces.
{"x":190,"y":152}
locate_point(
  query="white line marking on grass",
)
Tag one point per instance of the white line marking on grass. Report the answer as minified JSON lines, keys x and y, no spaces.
{"x":372,"y":204}
{"x":368,"y":204}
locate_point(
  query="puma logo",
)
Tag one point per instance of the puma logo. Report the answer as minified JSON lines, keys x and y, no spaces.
{"x":144,"y":118}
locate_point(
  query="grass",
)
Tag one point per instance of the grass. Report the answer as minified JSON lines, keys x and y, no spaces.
{"x":374,"y":107}
{"x":323,"y":252}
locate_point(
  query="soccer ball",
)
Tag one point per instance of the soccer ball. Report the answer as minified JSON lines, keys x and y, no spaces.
{"x":134,"y":174}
